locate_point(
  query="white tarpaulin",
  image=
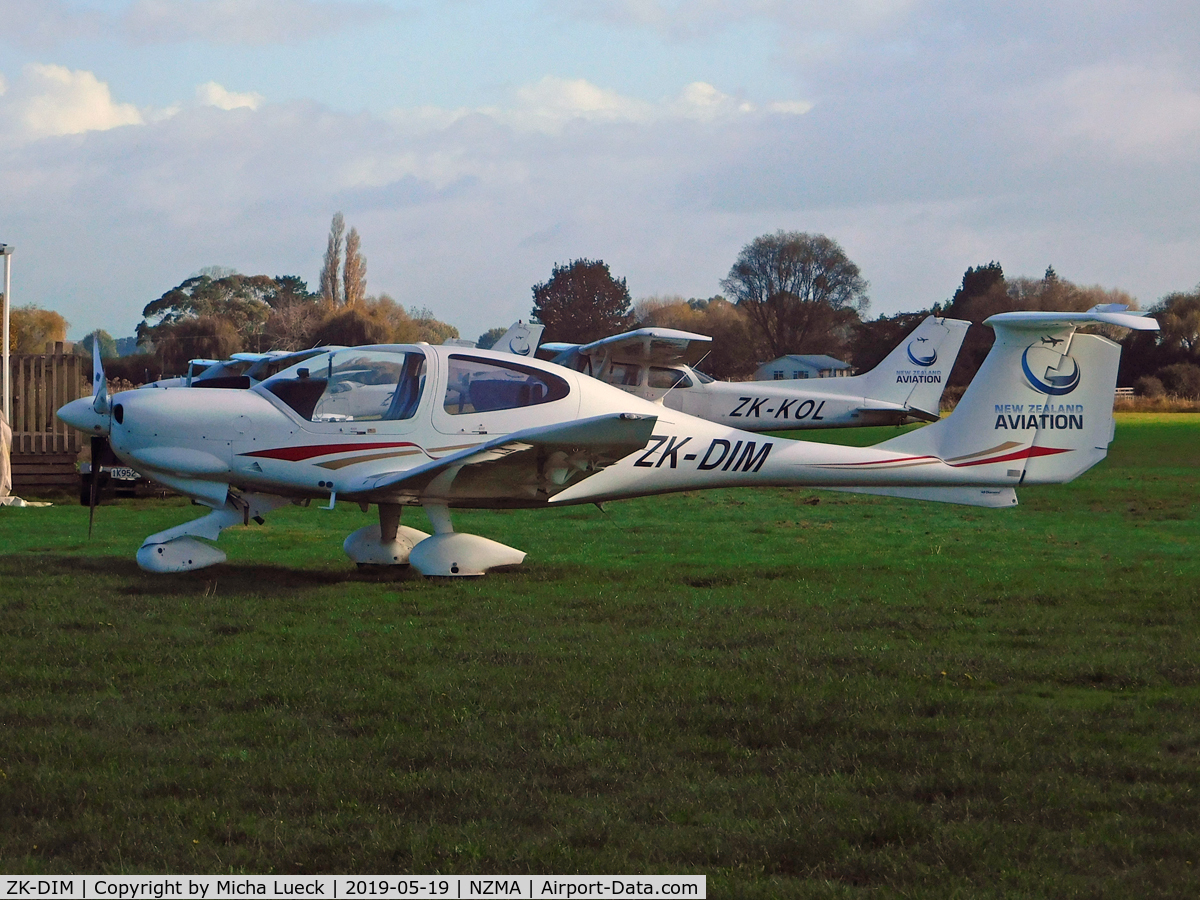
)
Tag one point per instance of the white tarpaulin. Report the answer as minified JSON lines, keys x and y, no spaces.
{"x":5,"y":452}
{"x":6,"y":467}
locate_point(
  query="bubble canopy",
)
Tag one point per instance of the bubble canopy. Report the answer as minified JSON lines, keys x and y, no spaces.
{"x":354,"y":384}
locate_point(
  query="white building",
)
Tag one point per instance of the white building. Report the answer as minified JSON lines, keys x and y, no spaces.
{"x":797,"y":366}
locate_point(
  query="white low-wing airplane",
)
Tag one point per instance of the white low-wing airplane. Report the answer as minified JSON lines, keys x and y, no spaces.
{"x":651,"y":363}
{"x":446,"y":427}
{"x":242,"y":370}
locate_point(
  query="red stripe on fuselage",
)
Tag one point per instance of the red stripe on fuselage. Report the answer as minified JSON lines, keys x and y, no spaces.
{"x":1020,"y":454}
{"x":296,"y":454}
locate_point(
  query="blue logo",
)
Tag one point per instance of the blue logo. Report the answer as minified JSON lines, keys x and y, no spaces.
{"x":1061,"y":373}
{"x":520,"y":344}
{"x":917,"y":355}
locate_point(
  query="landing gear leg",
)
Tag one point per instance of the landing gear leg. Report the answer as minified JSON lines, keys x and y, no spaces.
{"x":177,"y":550}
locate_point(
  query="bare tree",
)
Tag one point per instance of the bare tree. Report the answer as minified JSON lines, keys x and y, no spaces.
{"x":354,"y":275}
{"x":330,"y":289}
{"x":799,"y":290}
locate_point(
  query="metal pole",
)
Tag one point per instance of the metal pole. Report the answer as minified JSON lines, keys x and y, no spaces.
{"x":6,"y":250}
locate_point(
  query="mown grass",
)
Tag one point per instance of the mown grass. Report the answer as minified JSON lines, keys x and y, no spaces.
{"x":797,"y":693}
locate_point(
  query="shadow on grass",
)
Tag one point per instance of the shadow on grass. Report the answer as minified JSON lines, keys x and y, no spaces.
{"x":259,"y":576}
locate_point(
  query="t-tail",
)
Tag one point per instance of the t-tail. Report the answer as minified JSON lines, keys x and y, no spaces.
{"x":520,"y":340}
{"x":1039,"y":411}
{"x":915,"y":373}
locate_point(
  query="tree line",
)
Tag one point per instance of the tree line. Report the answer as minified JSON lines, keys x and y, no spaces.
{"x":793,"y":292}
{"x":787,"y":292}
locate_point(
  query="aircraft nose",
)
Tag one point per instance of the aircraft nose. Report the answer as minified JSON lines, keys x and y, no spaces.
{"x":81,"y":414}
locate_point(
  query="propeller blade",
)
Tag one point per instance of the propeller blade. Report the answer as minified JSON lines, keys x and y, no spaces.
{"x":99,"y":382}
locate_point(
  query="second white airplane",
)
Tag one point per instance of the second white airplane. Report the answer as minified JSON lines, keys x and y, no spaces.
{"x":650,"y":363}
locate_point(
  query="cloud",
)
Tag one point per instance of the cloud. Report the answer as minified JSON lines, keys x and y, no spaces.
{"x":1128,"y":110}
{"x":49,"y":23}
{"x":699,"y":19}
{"x":212,"y":94}
{"x":50,"y":100}
{"x":550,"y":104}
{"x":244,"y":21}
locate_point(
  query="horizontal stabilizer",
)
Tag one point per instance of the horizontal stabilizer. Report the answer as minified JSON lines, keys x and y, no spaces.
{"x":991,"y":497}
{"x":1103,"y":314}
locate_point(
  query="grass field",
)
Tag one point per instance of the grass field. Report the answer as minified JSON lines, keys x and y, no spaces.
{"x":796,"y":693}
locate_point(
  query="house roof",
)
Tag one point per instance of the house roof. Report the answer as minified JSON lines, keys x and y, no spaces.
{"x":814,"y":361}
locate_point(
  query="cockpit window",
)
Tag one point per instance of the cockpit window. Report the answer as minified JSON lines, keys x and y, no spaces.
{"x":353,"y":385}
{"x":268,"y":367}
{"x":623,"y":374}
{"x":485,"y":385}
{"x":669,"y":378}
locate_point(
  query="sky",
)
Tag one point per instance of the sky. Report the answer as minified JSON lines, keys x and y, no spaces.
{"x":476,"y":144}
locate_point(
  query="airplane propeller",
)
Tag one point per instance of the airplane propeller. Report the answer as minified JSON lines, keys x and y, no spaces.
{"x":101,"y":405}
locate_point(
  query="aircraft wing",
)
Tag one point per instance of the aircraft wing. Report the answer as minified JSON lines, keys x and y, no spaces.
{"x":652,"y":346}
{"x":517,"y":464}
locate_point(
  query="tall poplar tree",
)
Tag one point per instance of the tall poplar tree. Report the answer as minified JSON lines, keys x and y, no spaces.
{"x":354,"y":274}
{"x":330,"y":288}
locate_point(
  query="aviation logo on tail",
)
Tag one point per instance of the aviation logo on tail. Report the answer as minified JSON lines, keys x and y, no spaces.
{"x":919,"y":356}
{"x":520,"y":345}
{"x":1061,"y":373}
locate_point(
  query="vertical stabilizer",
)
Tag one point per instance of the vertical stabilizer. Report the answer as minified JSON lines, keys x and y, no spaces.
{"x":520,"y":340}
{"x":915,"y":373}
{"x":1040,"y":407}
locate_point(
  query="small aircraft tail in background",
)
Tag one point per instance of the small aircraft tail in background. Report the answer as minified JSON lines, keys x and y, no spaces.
{"x":1040,"y":408}
{"x":915,"y":373}
{"x":520,"y":340}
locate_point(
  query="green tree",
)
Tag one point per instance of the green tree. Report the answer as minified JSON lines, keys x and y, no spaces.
{"x":353,"y":326}
{"x":295,"y":315}
{"x":1181,"y":379}
{"x":582,"y":302}
{"x":108,"y":346}
{"x":31,"y":328}
{"x":1178,"y":316}
{"x":488,"y":339}
{"x":735,"y":350}
{"x":800,"y":290}
{"x":201,"y":337}
{"x":354,"y":272}
{"x":240,"y":300}
{"x":330,"y":290}
{"x":876,"y":339}
{"x":429,"y":329}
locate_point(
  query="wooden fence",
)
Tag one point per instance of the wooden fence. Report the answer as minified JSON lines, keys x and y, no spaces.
{"x":41,"y":384}
{"x":44,"y":449}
